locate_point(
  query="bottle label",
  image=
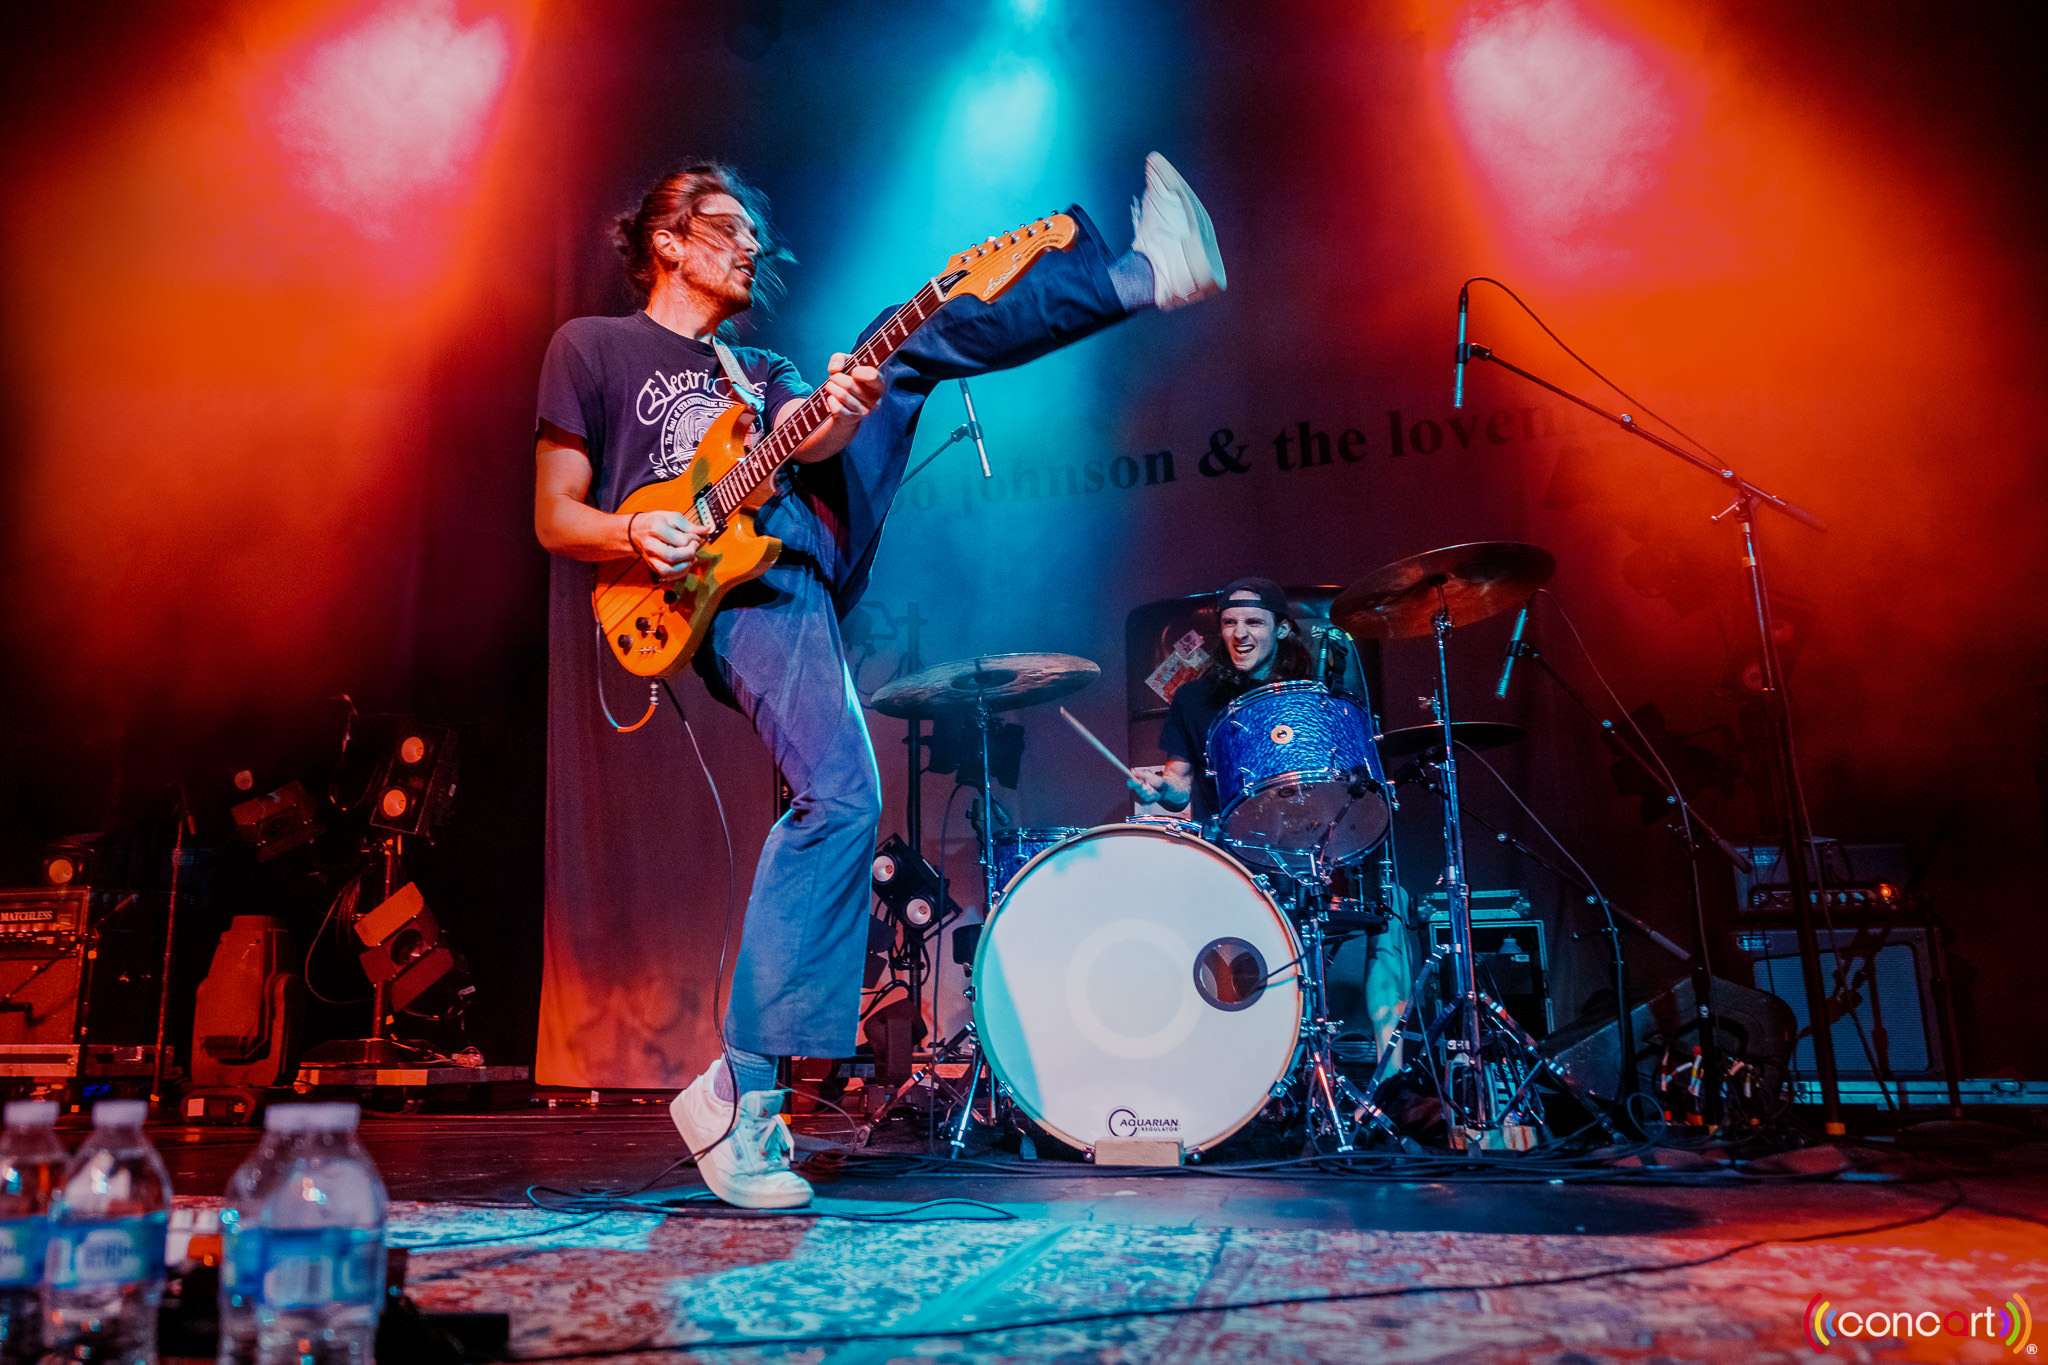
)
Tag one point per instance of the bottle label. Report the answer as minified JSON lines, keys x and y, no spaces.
{"x":21,"y":1250}
{"x":306,"y":1268}
{"x":96,"y":1255}
{"x":241,"y":1257}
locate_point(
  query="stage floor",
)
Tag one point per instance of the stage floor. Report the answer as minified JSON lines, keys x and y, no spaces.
{"x":994,"y":1259}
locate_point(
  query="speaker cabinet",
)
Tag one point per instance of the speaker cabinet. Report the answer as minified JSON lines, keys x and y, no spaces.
{"x":39,"y":994}
{"x":1894,"y":1000}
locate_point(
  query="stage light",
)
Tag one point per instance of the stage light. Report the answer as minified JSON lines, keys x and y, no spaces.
{"x":406,"y":952}
{"x":277,"y":823}
{"x":393,"y":111}
{"x":70,"y":862}
{"x":908,"y":886}
{"x":1569,"y":121}
{"x":417,"y":783}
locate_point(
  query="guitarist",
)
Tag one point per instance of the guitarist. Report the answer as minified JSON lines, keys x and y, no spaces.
{"x":624,"y":401}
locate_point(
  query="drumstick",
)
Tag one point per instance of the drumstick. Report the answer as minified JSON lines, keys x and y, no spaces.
{"x":1097,"y":744}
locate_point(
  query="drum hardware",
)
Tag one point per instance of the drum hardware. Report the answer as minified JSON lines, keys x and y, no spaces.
{"x":1782,"y":750}
{"x":1331,"y":1097}
{"x":1426,"y":741}
{"x":1433,"y":591}
{"x":982,"y":687}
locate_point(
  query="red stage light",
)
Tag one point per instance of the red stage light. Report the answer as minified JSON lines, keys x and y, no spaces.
{"x":1569,"y":121}
{"x":393,"y":110}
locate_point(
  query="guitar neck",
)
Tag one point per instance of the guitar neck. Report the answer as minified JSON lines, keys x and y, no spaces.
{"x":775,"y":450}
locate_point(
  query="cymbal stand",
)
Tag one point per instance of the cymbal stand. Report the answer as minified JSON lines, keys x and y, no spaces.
{"x":1480,"y":1117}
{"x":984,"y":722}
{"x":1332,"y":1098}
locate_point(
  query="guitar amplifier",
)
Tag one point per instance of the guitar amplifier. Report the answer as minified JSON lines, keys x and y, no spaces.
{"x":45,"y":915}
{"x":72,"y":976}
{"x":1895,"y":994}
{"x":1863,"y":880}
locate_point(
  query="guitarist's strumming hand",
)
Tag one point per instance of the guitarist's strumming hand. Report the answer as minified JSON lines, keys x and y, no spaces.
{"x":851,"y":392}
{"x":667,"y":542}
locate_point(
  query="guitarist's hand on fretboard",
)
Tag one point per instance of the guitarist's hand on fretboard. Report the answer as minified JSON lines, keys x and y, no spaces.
{"x":849,"y":395}
{"x":667,"y":542}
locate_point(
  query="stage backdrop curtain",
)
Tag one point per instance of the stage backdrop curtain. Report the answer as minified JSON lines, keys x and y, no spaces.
{"x":637,"y":885}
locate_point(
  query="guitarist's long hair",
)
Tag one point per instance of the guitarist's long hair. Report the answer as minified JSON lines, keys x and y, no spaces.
{"x":671,"y":203}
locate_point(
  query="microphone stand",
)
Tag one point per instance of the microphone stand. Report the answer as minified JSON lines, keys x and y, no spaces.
{"x":1783,"y":751}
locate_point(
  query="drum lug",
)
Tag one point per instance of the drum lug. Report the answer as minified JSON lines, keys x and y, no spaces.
{"x":967,"y":992}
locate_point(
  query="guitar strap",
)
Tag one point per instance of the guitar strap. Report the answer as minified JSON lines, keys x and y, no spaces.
{"x":749,"y":393}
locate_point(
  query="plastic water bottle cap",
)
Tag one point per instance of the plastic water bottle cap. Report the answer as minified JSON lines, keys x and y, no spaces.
{"x":31,"y":1113}
{"x":310,"y":1118}
{"x":120,"y":1113}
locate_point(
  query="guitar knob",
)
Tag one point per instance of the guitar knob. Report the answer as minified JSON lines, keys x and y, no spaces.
{"x":641,"y":624}
{"x":661,"y":635}
{"x":625,"y":644}
{"x":671,"y":596}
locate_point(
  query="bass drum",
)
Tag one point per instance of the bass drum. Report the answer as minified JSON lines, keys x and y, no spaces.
{"x":1135,"y":982}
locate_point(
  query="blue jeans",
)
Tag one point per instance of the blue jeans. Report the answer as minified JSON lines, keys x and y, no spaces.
{"x":776,"y":651}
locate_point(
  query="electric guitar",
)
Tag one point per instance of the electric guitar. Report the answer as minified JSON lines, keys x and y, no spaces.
{"x":654,"y":627}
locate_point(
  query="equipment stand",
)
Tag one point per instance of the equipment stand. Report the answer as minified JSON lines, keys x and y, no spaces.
{"x":1784,"y":758}
{"x":1331,"y":1097}
{"x":380,"y":1049}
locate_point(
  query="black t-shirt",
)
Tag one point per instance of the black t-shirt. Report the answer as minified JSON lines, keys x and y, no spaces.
{"x":1196,"y":704}
{"x":642,"y":396}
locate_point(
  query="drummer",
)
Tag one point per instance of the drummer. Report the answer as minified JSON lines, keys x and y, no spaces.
{"x":1262,"y":643}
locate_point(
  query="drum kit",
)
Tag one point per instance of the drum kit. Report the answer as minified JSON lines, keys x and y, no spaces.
{"x":1158,"y":982}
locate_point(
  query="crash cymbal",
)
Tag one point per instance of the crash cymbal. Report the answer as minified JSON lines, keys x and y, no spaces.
{"x":1473,"y":581}
{"x":1415,"y":741}
{"x":1007,"y":682}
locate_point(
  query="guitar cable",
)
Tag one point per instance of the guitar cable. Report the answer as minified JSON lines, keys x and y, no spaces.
{"x":654,"y":688}
{"x":732,"y":884}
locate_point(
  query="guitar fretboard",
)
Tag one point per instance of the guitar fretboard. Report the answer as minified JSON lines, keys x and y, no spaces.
{"x":737,"y":484}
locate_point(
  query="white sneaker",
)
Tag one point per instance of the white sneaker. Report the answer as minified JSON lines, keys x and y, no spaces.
{"x":749,"y":1169}
{"x":1172,"y":229}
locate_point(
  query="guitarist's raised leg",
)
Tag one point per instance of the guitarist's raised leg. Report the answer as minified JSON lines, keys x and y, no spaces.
{"x":775,"y":652}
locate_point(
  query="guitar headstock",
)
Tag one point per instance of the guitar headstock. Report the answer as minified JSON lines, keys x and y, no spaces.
{"x":985,"y":271}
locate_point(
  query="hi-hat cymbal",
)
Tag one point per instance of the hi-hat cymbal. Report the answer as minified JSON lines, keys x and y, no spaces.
{"x":1007,"y":682}
{"x":1472,"y":582}
{"x":1417,"y":741}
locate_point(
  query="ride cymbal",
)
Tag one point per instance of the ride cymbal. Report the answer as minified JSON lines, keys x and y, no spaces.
{"x":1470,"y":582}
{"x":1006,"y":682}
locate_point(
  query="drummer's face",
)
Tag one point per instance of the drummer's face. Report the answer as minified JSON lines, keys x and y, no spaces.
{"x":1250,"y":635}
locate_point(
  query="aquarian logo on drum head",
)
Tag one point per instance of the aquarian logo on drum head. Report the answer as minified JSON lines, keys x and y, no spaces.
{"x":1125,"y":1124}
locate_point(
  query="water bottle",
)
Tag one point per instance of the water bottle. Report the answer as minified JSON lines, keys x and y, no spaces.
{"x":322,"y":1230}
{"x":241,"y":1242}
{"x":31,"y":1159}
{"x":103,"y":1271}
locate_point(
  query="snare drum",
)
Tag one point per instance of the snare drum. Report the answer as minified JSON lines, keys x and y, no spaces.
{"x":1287,"y":759}
{"x":1016,"y":847}
{"x":1136,"y":982}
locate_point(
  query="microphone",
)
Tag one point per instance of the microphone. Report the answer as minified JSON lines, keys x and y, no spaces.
{"x":1507,"y":668}
{"x":1458,"y":389}
{"x":1330,"y":640}
{"x":974,"y":430}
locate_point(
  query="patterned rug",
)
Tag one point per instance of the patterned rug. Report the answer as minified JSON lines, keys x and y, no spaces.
{"x":642,"y":1286}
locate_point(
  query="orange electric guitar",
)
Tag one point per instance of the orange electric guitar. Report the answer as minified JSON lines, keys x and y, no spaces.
{"x":654,"y":627}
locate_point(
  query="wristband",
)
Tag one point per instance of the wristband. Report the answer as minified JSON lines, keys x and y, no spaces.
{"x":629,"y":534}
